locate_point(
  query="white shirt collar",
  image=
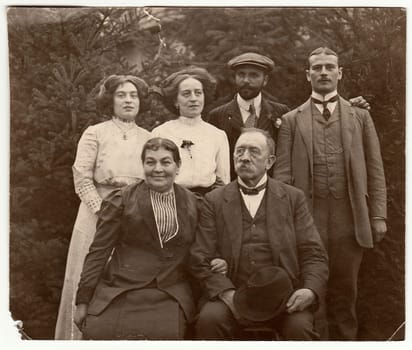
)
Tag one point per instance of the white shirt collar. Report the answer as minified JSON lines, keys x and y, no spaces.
{"x":261,"y":181}
{"x":324,"y":98}
{"x":252,"y":203}
{"x":245,"y":104}
{"x":191,"y":121}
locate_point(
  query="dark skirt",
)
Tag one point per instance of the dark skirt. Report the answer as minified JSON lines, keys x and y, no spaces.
{"x":138,"y":314}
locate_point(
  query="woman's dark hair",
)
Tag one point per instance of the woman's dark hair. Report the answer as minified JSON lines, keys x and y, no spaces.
{"x":104,"y":99}
{"x":170,"y":86}
{"x":159,"y":142}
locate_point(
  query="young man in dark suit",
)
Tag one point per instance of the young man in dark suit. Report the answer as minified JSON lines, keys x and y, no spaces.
{"x":248,"y":108}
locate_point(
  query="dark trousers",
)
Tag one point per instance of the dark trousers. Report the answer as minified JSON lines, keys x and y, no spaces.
{"x":216,"y":322}
{"x":334,"y":220}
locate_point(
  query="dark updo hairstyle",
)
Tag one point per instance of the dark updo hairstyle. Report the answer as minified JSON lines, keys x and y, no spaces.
{"x":170,"y":86}
{"x":104,"y":99}
{"x":155,"y":143}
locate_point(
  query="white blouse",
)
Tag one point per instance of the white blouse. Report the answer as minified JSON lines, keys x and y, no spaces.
{"x":206,"y":158}
{"x":108,"y":154}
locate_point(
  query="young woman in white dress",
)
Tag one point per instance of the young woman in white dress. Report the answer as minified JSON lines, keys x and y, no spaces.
{"x":108,"y":157}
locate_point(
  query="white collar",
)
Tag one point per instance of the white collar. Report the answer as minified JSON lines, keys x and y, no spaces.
{"x":191,"y":121}
{"x":245,"y":104}
{"x":324,"y":98}
{"x":261,"y":181}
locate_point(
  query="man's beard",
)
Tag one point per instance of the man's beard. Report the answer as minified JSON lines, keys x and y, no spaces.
{"x":247,"y":92}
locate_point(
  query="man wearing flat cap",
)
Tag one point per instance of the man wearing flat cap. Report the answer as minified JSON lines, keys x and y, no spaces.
{"x":248,"y":108}
{"x":257,"y":255}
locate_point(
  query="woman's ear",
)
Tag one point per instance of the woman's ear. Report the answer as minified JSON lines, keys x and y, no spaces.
{"x":178,"y":167}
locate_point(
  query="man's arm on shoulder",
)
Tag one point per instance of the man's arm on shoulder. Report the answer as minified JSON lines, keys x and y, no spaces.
{"x":359,"y":101}
{"x":204,"y":249}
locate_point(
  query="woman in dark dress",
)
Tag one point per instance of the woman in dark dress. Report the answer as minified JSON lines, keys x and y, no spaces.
{"x":134,"y":283}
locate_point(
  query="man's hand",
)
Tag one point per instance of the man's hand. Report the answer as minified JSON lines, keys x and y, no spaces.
{"x":80,"y":314}
{"x":360,"y":102}
{"x":219,"y":266}
{"x":378,"y":229}
{"x":300,"y":300}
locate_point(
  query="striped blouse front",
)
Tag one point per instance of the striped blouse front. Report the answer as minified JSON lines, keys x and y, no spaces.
{"x":164,"y":209}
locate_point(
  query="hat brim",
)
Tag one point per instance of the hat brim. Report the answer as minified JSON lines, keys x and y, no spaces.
{"x":252,"y":63}
{"x":247,"y":311}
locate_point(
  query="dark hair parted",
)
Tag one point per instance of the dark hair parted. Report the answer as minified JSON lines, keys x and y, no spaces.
{"x":322,"y":50}
{"x":155,"y":143}
{"x":104,"y":99}
{"x":269,"y":140}
{"x":170,"y":86}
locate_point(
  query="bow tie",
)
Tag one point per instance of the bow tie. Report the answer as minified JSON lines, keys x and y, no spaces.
{"x":252,"y":191}
{"x":324,"y":103}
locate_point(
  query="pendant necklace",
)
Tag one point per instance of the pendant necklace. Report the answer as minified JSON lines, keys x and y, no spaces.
{"x":123,"y":131}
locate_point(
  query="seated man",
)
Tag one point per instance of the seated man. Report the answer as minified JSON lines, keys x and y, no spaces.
{"x":277,"y":267}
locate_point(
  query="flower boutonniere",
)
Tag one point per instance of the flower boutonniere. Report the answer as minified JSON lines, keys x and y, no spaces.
{"x":187,"y":144}
{"x":277,"y":121}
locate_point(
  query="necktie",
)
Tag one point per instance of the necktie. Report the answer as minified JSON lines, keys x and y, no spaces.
{"x":252,"y":191}
{"x":251,"y":120}
{"x":326,"y":112}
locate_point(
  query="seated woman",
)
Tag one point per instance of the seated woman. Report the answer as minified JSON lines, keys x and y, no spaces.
{"x":108,"y":157}
{"x":141,"y":291}
{"x":204,"y":149}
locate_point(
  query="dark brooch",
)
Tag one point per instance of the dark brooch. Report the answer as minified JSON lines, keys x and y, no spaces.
{"x":187,"y":144}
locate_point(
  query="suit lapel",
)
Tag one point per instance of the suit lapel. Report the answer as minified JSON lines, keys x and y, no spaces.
{"x":264,"y":121}
{"x":276,"y":209}
{"x":234,"y":116}
{"x":347,"y":125}
{"x":182,"y":211}
{"x":304,"y":123}
{"x":232,"y":215}
{"x":146,"y":209}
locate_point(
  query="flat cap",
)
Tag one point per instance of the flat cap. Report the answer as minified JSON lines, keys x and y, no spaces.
{"x":252,"y":59}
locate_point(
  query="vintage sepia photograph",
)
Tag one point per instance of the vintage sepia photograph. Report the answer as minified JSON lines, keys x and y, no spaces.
{"x":207,"y":173}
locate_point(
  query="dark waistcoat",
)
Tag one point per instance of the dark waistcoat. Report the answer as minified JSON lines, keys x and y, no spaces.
{"x":255,"y":252}
{"x":329,"y":175}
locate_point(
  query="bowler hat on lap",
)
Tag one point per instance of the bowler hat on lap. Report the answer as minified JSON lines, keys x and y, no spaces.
{"x":252,"y":59}
{"x":265,"y":294}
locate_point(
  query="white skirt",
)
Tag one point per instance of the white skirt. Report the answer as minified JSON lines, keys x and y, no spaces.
{"x":82,"y":236}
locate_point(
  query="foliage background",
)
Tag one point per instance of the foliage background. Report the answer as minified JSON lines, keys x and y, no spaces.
{"x":58,"y":56}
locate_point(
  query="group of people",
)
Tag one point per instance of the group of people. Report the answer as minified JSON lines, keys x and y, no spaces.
{"x":252,"y":216}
